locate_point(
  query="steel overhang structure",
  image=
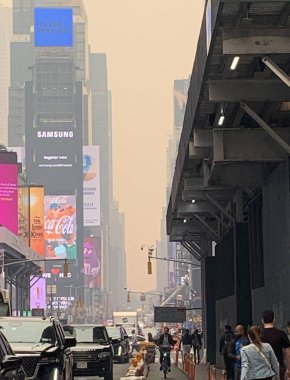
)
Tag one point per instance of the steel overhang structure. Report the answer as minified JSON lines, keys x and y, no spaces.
{"x":221,"y":164}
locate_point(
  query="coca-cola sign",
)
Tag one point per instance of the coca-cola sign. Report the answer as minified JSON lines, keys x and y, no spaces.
{"x":60,"y":226}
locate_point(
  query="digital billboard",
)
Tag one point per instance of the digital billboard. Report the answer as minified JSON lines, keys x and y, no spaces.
{"x":9,"y":197}
{"x":92,"y":262}
{"x":53,"y":27}
{"x":54,"y":145}
{"x":37,"y":293}
{"x":91,"y":178}
{"x":23,"y":214}
{"x":36,"y":200}
{"x":60,"y":226}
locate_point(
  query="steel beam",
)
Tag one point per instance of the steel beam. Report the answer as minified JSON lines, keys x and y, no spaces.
{"x":238,"y":41}
{"x":277,"y":70}
{"x":250,"y":144}
{"x":200,"y":207}
{"x":220,"y":208}
{"x":275,"y":136}
{"x":256,"y":90}
{"x":198,"y":193}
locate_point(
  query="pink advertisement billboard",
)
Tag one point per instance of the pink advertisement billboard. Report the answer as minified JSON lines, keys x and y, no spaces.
{"x":37,"y":293}
{"x":9,"y":197}
{"x":92,"y":262}
{"x":60,"y":226}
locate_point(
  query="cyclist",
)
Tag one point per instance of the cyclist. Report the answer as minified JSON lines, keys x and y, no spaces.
{"x":165,"y":341}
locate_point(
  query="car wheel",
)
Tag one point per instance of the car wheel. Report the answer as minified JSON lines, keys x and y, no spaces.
{"x":109,"y":376}
{"x":121,"y":359}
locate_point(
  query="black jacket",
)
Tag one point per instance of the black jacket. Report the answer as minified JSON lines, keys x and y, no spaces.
{"x":186,"y":339}
{"x":196,"y":340}
{"x":170,"y":340}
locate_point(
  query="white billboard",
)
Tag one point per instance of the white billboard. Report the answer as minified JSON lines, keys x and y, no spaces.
{"x":91,"y":176}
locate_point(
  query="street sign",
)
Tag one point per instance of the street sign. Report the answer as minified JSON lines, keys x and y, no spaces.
{"x":169,"y":314}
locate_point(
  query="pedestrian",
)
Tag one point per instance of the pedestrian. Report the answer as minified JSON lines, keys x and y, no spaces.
{"x":288,"y":329}
{"x":135,"y":343}
{"x":224,"y":345}
{"x":196,"y":344}
{"x":186,"y":342}
{"x":165,"y":341}
{"x":150,"y":337}
{"x":235,"y":347}
{"x":278,"y":340}
{"x":259,"y":361}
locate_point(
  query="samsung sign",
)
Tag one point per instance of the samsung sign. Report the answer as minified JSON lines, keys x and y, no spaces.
{"x":53,"y":27}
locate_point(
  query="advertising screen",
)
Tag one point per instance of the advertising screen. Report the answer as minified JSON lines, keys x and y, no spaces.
{"x":53,"y":27}
{"x":60,"y":226}
{"x":37,"y":219}
{"x":54,"y":146}
{"x":92,"y":262}
{"x":91,"y":177}
{"x":9,"y":197}
{"x":23,"y":214}
{"x":37,"y":293}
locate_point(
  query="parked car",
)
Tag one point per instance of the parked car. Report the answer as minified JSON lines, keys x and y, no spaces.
{"x":10,"y":364}
{"x":121,"y":345}
{"x":42,"y":346}
{"x":93,"y":353}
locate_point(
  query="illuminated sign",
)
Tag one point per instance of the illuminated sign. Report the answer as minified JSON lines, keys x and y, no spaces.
{"x":37,"y":293}
{"x":37,"y":219}
{"x":91,"y":177}
{"x":92,"y":262}
{"x":53,"y":27}
{"x":9,"y":197}
{"x":60,"y":226}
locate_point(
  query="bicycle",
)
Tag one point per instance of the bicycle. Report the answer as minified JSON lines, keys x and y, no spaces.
{"x":165,"y":359}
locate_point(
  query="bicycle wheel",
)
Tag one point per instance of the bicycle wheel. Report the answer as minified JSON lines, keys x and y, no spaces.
{"x":165,"y":367}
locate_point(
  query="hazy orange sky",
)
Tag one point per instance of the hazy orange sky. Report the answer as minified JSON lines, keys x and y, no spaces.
{"x":149,"y":43}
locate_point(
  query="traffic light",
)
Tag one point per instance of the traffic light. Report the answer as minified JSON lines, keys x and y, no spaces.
{"x":65,"y":268}
{"x":149,"y":266}
{"x":128,"y":297}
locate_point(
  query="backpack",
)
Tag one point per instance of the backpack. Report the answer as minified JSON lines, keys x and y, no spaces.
{"x":229,"y":336}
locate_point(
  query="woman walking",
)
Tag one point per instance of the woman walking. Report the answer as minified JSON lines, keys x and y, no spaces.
{"x":258,"y":359}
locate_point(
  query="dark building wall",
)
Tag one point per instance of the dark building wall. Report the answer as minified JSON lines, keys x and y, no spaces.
{"x":276,"y":242}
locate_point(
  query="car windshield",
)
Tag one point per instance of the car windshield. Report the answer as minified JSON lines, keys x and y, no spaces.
{"x":28,"y":332}
{"x":114,"y":333}
{"x":90,"y":334}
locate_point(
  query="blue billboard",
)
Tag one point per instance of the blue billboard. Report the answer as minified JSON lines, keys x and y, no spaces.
{"x":53,"y":27}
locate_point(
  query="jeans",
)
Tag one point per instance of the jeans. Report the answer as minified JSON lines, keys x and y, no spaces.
{"x":196,"y":353}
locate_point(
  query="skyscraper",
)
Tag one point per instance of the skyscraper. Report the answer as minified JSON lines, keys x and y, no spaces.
{"x":5,"y":38}
{"x":48,"y":114}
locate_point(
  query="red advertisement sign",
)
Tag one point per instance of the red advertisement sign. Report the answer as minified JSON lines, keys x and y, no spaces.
{"x":60,"y":226}
{"x":9,"y":197}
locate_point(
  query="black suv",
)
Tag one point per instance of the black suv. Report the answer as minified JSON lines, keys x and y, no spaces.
{"x":42,"y":345}
{"x":93,"y":354}
{"x":121,"y":344}
{"x":10,"y":364}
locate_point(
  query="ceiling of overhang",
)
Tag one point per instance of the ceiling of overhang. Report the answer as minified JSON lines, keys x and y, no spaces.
{"x":248,"y":15}
{"x":251,"y":15}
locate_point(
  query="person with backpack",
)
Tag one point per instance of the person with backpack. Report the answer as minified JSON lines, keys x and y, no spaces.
{"x":224,"y":345}
{"x":196,"y":344}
